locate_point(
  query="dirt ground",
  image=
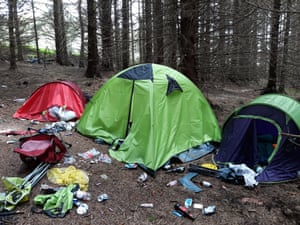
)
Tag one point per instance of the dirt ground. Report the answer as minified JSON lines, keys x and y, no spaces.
{"x":235,"y":204}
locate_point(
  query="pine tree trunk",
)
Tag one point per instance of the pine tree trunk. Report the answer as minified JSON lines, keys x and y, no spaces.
{"x":17,"y":32}
{"x":170,"y":33}
{"x":188,"y":30}
{"x":93,"y":57}
{"x":35,"y":34}
{"x":271,"y":86}
{"x":81,"y":56}
{"x":12,"y":41}
{"x":60,"y":35}
{"x":125,"y":34}
{"x":106,"y":34}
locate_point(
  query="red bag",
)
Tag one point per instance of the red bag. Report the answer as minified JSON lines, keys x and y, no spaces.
{"x":41,"y":148}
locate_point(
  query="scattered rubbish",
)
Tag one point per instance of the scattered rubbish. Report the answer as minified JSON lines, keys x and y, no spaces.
{"x":143,"y":177}
{"x":76,"y":202}
{"x":19,"y":100}
{"x":102,"y":198}
{"x":34,"y":122}
{"x":209,"y":210}
{"x":69,"y":159}
{"x":206,"y":183}
{"x":104,"y":158}
{"x":82,"y":209}
{"x":11,"y":141}
{"x":69,"y":175}
{"x":203,"y":170}
{"x":185,"y":212}
{"x":104,"y":176}
{"x":172,"y":183}
{"x":180,"y":169}
{"x":83,"y":195}
{"x":167,"y":166}
{"x":197,"y":206}
{"x":17,"y":132}
{"x":147,"y":205}
{"x":59,"y":126}
{"x":209,"y":166}
{"x":248,"y":174}
{"x":89,"y":154}
{"x":176,"y":213}
{"x":186,"y":181}
{"x":188,"y":202}
{"x":130,"y":165}
{"x":47,"y":189}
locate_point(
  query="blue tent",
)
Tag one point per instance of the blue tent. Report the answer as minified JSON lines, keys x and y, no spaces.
{"x":264,"y":134}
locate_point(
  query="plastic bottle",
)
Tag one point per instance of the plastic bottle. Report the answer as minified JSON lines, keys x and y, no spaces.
{"x":83,"y":195}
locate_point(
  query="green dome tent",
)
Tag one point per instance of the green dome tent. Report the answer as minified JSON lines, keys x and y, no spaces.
{"x":156,"y":111}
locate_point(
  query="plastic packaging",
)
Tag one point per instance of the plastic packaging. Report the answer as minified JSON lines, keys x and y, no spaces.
{"x":89,"y":154}
{"x":69,"y":175}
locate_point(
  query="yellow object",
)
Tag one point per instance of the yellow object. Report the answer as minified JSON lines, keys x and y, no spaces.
{"x":209,"y":166}
{"x":69,"y":175}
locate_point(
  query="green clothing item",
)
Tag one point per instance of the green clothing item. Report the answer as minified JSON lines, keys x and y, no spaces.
{"x":59,"y":203}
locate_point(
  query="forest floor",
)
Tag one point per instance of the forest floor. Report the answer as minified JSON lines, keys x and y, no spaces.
{"x":235,"y":204}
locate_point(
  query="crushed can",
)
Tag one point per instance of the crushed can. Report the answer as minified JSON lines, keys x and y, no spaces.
{"x":209,"y":210}
{"x":143,"y":177}
{"x":102,"y":198}
{"x":82,"y":209}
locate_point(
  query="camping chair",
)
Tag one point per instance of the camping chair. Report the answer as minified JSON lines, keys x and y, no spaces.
{"x":18,"y":189}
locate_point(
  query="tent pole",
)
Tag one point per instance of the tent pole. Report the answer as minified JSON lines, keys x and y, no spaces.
{"x":290,"y":135}
{"x":130,"y":109}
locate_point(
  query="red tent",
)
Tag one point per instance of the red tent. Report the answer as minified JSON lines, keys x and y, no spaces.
{"x":61,"y":93}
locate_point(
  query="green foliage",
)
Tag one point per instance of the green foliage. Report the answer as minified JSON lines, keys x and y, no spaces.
{"x":152,"y":218}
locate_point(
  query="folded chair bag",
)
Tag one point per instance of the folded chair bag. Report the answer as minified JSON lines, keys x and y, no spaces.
{"x":41,"y":148}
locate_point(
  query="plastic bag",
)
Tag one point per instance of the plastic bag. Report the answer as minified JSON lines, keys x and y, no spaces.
{"x":69,"y":175}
